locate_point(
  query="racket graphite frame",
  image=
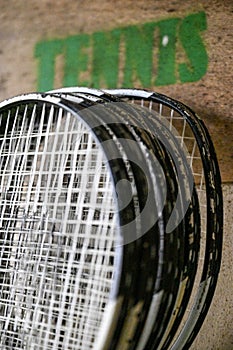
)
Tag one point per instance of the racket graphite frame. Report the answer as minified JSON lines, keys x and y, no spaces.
{"x":214,"y":209}
{"x":163,"y":295}
{"x":127,"y":292}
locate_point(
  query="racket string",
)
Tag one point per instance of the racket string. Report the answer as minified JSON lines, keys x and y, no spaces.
{"x":40,"y":252}
{"x":59,"y":225}
{"x":186,"y":139}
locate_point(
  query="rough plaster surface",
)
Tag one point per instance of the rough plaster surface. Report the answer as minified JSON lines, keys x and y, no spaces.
{"x":217,"y":330}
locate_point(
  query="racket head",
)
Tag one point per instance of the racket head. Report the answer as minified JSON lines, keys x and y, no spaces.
{"x":119,"y":113}
{"x":165,"y":298}
{"x":203,"y":161}
{"x":183,"y":228}
{"x":29,"y":132}
{"x":193,"y":136}
{"x":167,"y":286}
{"x":125,"y":295}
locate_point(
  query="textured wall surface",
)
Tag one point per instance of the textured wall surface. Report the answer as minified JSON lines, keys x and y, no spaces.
{"x":180,"y":48}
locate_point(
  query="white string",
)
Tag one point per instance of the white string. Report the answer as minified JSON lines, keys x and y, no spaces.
{"x":57,"y":261}
{"x":186,"y":138}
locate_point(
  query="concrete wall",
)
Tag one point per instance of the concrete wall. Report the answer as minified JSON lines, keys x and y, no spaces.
{"x":180,"y":48}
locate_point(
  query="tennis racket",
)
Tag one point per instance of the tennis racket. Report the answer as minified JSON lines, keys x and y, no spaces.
{"x":66,"y":155}
{"x":165,"y":293}
{"x":194,"y":135}
{"x":168,"y":245}
{"x":67,"y":279}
